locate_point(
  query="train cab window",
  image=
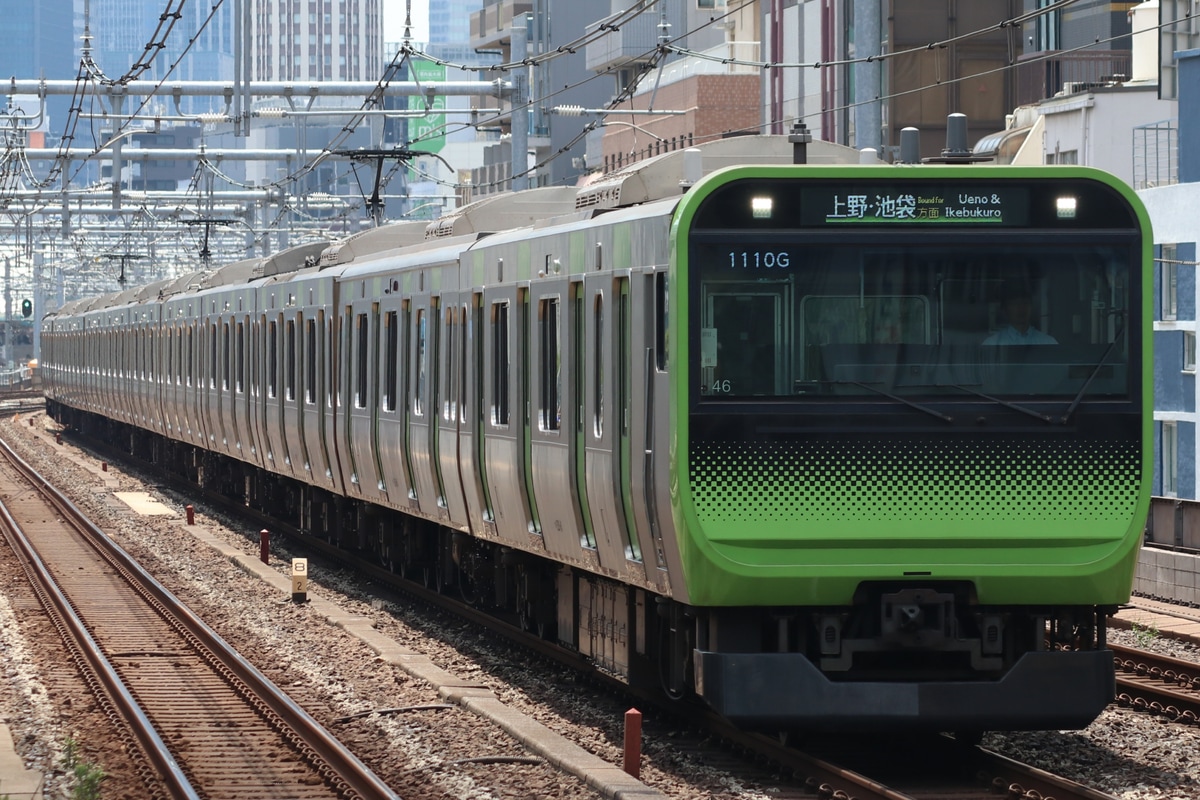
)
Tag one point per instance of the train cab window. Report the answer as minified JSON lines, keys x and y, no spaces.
{"x":272,"y":359}
{"x":500,"y":364}
{"x":873,"y":320}
{"x":391,"y":348}
{"x":362,"y":337}
{"x":550,"y":365}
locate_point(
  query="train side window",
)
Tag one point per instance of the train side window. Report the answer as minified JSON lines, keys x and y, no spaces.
{"x":289,"y":365}
{"x":212,"y":356}
{"x":391,"y":338}
{"x":191,"y":356}
{"x":240,"y":351}
{"x":500,"y":363}
{"x":255,"y":361}
{"x":661,"y":298}
{"x":310,"y":361}
{"x":360,"y":362}
{"x":449,"y":396}
{"x":419,"y":398}
{"x":598,"y":331}
{"x":550,"y":367}
{"x":406,"y":351}
{"x":272,"y":359}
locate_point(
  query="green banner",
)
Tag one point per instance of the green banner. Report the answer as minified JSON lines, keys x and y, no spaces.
{"x":427,"y":132}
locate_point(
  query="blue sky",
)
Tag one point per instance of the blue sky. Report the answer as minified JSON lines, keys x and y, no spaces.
{"x":393,"y":20}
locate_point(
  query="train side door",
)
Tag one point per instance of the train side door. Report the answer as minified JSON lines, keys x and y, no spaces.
{"x":289,"y":402}
{"x":423,"y":412}
{"x":471,"y":432}
{"x":502,"y":447}
{"x":272,"y":412}
{"x":361,"y":414}
{"x":316,"y":446}
{"x":393,"y":454}
{"x":551,"y":399}
{"x":752,"y":322}
{"x":604,"y":409}
{"x":299,"y":402}
{"x":450,"y":376}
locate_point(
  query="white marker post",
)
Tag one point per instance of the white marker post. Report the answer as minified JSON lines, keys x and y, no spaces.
{"x":299,"y":580}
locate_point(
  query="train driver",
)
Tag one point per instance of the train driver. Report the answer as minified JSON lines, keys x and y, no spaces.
{"x":1017,"y":301}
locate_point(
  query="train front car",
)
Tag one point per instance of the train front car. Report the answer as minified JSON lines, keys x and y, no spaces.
{"x":912,"y":441}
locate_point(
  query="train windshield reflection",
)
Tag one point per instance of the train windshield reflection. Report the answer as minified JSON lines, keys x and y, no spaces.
{"x":1045,"y":321}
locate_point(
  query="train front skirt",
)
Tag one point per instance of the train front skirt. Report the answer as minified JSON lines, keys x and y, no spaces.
{"x":778,"y":691}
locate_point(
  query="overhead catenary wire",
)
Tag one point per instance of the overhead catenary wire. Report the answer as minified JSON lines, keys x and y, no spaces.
{"x":675,"y":48}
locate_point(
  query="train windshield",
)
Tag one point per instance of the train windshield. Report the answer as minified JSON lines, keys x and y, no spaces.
{"x":1019,"y":318}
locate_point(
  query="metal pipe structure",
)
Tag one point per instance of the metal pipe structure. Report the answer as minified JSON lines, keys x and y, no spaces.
{"x":42,"y":88}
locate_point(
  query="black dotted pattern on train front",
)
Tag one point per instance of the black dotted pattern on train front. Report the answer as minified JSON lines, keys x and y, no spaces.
{"x":962,"y":481}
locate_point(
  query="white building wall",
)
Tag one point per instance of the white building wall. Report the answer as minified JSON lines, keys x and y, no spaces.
{"x":1097,"y":126}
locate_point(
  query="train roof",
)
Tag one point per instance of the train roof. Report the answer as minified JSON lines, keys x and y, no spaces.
{"x":504,"y":211}
{"x":666,"y":174}
{"x":287,"y":261}
{"x":375,"y":240}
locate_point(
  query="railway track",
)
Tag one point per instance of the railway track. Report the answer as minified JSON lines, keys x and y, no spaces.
{"x":202,"y":721}
{"x":1159,"y":684}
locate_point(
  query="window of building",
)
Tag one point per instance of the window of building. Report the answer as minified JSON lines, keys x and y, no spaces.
{"x":1170,"y":459}
{"x":1168,"y":272}
{"x":1189,"y":351}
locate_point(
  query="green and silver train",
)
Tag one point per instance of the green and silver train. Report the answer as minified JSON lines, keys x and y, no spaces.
{"x":825,"y":445}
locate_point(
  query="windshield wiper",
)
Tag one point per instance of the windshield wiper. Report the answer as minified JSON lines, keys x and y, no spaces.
{"x":931,"y":411}
{"x":998,"y":401}
{"x":1066,"y":417}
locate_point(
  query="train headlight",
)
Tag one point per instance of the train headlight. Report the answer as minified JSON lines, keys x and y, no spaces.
{"x":761,"y":207}
{"x":1066,"y":207}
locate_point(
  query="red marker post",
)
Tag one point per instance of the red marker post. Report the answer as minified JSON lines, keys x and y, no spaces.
{"x":633,"y":743}
{"x":264,"y":546}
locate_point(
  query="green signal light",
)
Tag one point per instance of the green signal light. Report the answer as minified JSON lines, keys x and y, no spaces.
{"x":26,"y":307}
